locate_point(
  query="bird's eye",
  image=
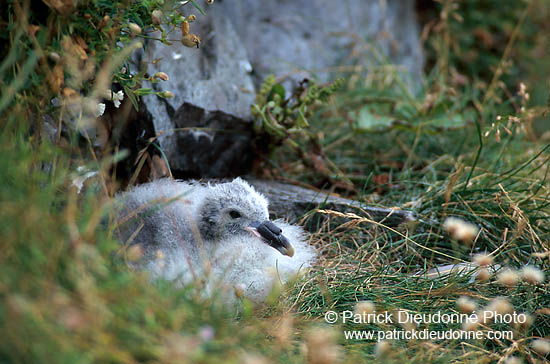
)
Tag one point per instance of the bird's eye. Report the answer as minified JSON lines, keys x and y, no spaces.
{"x":234,"y":214}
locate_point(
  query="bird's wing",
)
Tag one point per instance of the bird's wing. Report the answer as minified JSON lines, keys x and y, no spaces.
{"x":151,"y":214}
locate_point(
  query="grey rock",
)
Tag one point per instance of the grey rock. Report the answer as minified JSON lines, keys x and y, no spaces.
{"x":212,"y":78}
{"x":220,"y":144}
{"x":292,"y":202}
{"x":312,"y":38}
{"x":244,"y":41}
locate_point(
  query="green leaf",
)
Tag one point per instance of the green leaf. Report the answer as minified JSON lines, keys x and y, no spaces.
{"x":277,"y":89}
{"x":301,"y":121}
{"x":131,"y":96}
{"x":197,"y":6}
{"x":405,"y":111}
{"x":143,"y":91}
{"x":373,"y":118}
{"x":450,"y":120}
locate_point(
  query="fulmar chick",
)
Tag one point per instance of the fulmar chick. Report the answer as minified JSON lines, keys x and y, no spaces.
{"x":218,"y":233}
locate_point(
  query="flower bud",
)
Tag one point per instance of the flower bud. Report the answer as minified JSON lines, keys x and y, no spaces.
{"x":161,"y":76}
{"x":134,"y":28}
{"x":104,"y":22}
{"x":156,"y":16}
{"x":54,"y":56}
{"x":191,"y":40}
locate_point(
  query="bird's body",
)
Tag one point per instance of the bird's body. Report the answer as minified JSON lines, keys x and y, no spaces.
{"x":219,"y":233}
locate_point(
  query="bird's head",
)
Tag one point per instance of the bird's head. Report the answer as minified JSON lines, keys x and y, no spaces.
{"x":235,"y":208}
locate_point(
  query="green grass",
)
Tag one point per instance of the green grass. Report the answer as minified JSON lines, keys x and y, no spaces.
{"x":67,"y":294}
{"x":376,"y":264}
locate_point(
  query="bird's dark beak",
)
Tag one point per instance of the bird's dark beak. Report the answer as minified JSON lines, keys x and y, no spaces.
{"x":273,"y":236}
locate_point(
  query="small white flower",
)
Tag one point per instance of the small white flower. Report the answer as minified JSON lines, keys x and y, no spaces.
{"x":483,"y":275}
{"x":541,"y":346}
{"x":500,"y":305}
{"x":382,"y":348}
{"x":117,"y":98}
{"x":364,"y":307}
{"x":466,"y":305}
{"x":470,"y":325}
{"x":532,"y":274}
{"x":99,"y":110}
{"x":460,"y":229}
{"x":483,"y":260}
{"x":508,"y":277}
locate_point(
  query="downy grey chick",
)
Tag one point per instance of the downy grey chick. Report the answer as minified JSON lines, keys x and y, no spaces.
{"x":219,"y":233}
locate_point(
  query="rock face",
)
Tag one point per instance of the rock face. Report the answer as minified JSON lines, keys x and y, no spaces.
{"x":213,"y":78}
{"x":244,"y":41}
{"x":301,"y":39}
{"x":221,"y":143}
{"x":292,"y":202}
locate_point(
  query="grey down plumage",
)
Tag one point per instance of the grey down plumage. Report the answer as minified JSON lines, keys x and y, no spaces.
{"x":217,"y":233}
